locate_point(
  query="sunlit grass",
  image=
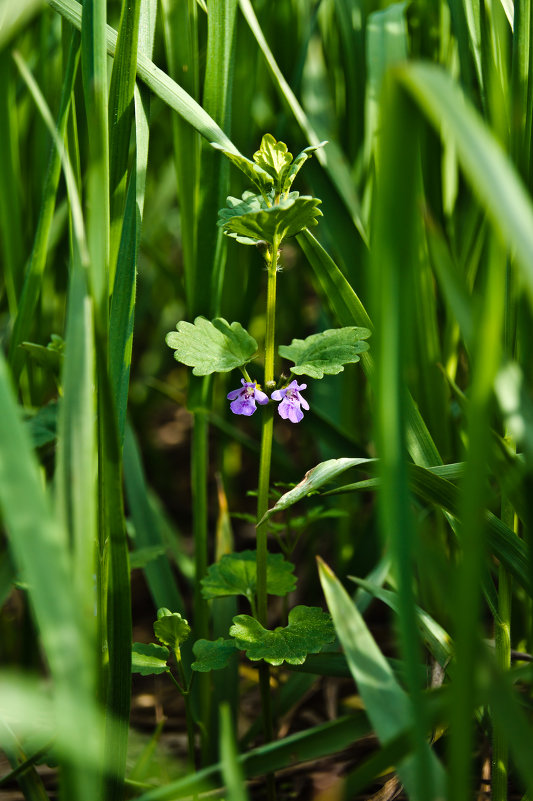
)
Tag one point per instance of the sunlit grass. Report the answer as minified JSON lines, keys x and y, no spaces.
{"x":110,"y":451}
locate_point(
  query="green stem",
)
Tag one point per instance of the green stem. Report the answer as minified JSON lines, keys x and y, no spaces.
{"x":199,"y":399}
{"x":502,"y":638}
{"x":262,"y":497}
{"x":266,"y":438}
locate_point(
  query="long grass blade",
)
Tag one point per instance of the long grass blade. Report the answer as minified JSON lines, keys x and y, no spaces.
{"x":388,"y":706}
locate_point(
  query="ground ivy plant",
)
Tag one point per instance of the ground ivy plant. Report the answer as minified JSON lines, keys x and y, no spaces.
{"x":265,"y":217}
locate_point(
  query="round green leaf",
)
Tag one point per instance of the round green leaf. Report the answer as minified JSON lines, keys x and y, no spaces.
{"x":308,"y":631}
{"x":171,"y":628}
{"x":236,"y":574}
{"x":149,"y":659}
{"x":326,"y":353}
{"x":211,"y":347}
{"x":212,"y":654}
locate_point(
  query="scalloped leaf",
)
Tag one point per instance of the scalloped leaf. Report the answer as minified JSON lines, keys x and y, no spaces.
{"x":171,"y":628}
{"x":236,"y":574}
{"x":326,"y":353}
{"x":253,"y":220}
{"x":308,"y":631}
{"x":212,"y":654}
{"x":253,"y":171}
{"x":149,"y":659}
{"x":211,"y":346}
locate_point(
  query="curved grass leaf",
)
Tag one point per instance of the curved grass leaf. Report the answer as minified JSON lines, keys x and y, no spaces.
{"x":435,"y":637}
{"x":253,"y":172}
{"x":326,"y":353}
{"x":309,"y":629}
{"x":212,"y":654}
{"x":313,"y":480}
{"x":303,"y":746}
{"x":431,"y":485}
{"x":236,"y":574}
{"x":149,"y":659}
{"x":158,"y":81}
{"x":387,"y":705}
{"x":211,"y":347}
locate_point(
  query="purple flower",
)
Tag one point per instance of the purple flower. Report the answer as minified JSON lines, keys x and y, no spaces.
{"x":291,"y":400}
{"x":244,"y":399}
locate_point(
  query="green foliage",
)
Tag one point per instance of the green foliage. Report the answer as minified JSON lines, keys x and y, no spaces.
{"x":253,"y":172}
{"x":211,"y":347}
{"x":236,"y":574}
{"x":212,"y":655}
{"x":171,"y":629}
{"x":309,"y":629}
{"x":49,"y":357}
{"x":149,"y":659}
{"x":326,"y":353}
{"x":253,"y":219}
{"x":273,"y":166}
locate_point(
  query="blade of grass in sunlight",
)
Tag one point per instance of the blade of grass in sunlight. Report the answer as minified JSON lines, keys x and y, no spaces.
{"x":490,"y":172}
{"x":387,"y":704}
{"x":393,"y":265}
{"x":121,"y":108}
{"x":77,"y":457}
{"x":113,"y":578}
{"x":40,"y":549}
{"x":180,"y":25}
{"x":124,"y":286}
{"x":157,"y":80}
{"x":231,"y":769}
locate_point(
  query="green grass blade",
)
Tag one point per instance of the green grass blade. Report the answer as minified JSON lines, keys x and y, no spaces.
{"x":94,"y":74}
{"x":15,"y":16}
{"x":342,"y":187}
{"x":435,"y":637}
{"x":120,"y":118}
{"x":388,"y":706}
{"x":76,"y":465}
{"x":23,"y":771}
{"x":123,"y":299}
{"x":321,"y":740}
{"x":10,"y":190}
{"x":393,"y":265}
{"x":386,"y":45}
{"x":180,"y":27}
{"x":215,"y":186}
{"x":40,"y":550}
{"x":490,"y":173}
{"x":158,"y":81}
{"x":232,"y":772}
{"x":33,"y":279}
{"x":163,"y":587}
{"x":433,"y":487}
{"x":348,"y":310}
